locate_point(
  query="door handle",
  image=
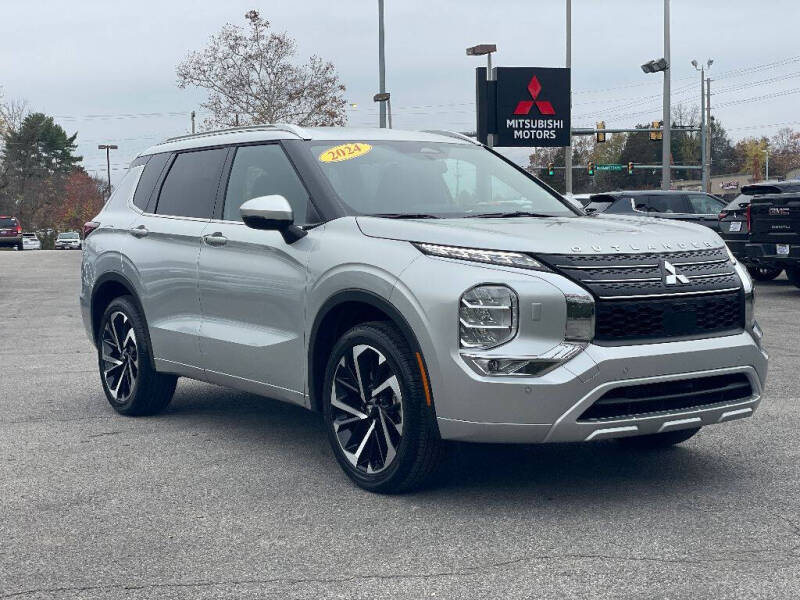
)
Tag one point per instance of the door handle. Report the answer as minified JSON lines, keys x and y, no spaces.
{"x":138,"y":232}
{"x":215,"y":239}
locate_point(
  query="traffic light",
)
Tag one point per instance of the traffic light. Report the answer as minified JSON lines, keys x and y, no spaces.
{"x":630,"y":168}
{"x":656,"y":135}
{"x":551,"y":169}
{"x":591,"y":168}
{"x":600,"y":137}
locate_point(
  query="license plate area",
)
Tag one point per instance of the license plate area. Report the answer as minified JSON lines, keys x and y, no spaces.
{"x":736,"y":226}
{"x":782,"y":249}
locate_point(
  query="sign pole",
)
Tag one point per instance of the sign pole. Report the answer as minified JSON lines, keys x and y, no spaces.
{"x":568,"y":151}
{"x":666,"y":153}
{"x":489,"y":77}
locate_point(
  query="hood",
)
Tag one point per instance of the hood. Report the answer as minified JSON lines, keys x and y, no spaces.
{"x":597,"y":234}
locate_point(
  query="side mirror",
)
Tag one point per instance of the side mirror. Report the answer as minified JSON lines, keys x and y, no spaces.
{"x":271,"y":213}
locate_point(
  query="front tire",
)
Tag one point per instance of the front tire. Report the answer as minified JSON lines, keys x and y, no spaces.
{"x":762,"y":273}
{"x":655,"y":441}
{"x":132,"y":385}
{"x":793,"y":275}
{"x":379,"y":421}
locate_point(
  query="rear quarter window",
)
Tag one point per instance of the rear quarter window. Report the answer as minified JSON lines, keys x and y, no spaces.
{"x":154,"y":165}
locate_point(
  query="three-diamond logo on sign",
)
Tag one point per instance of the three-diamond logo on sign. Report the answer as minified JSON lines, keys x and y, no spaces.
{"x":534,"y":89}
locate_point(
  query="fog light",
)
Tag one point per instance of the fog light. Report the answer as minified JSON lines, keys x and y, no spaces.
{"x":521,"y":366}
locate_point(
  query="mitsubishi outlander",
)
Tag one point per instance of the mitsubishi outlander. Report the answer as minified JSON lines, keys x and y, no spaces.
{"x":414,"y":288}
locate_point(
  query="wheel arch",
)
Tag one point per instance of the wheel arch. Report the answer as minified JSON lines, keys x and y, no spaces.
{"x":339,"y":313}
{"x":109,"y":286}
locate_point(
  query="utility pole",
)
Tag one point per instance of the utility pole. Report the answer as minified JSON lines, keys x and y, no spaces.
{"x":704,"y":131}
{"x":193,"y":122}
{"x":108,"y":148}
{"x":710,"y":124}
{"x":766,"y":174}
{"x":568,"y":151}
{"x":381,"y":66}
{"x":666,"y":153}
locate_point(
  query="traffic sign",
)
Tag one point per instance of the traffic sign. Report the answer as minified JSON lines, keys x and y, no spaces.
{"x":609,"y":167}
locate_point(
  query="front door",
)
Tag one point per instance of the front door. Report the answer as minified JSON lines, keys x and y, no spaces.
{"x":253,"y":284}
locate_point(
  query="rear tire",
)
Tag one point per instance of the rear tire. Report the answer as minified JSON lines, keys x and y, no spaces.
{"x":793,"y":275}
{"x":764,"y":273}
{"x":382,"y":430}
{"x":657,"y":440}
{"x":132,"y":385}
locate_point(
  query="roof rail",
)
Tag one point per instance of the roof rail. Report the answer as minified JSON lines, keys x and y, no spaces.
{"x":288,"y":127}
{"x":453,"y":134}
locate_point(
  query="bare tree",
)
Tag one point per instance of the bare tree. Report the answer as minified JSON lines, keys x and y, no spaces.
{"x":251,"y":79}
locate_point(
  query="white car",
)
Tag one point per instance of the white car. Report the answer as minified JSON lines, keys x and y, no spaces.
{"x":69,"y":240}
{"x":31,"y":242}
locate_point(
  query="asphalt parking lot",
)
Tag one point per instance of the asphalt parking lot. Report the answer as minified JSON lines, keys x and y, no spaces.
{"x":228,"y":495}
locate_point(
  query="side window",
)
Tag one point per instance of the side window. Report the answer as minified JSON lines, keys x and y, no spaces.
{"x":191,"y":184}
{"x":667,"y":204}
{"x":623,"y":206}
{"x":152,"y":171}
{"x":262,"y":171}
{"x":703,"y":204}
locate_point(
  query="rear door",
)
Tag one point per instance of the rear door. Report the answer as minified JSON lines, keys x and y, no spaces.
{"x":252,"y":283}
{"x":163,"y":250}
{"x":706,"y":209}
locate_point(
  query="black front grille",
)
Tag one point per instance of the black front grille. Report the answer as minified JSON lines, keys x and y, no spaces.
{"x":650,"y":297}
{"x":655,"y":319}
{"x":669,"y":396}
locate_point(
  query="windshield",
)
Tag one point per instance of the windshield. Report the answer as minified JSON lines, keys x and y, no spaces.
{"x":68,"y":236}
{"x":435,"y":179}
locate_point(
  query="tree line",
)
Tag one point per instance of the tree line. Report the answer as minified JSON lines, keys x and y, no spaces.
{"x":41,"y":180}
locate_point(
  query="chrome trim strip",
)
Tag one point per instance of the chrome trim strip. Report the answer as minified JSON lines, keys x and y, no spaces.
{"x":700,"y":293}
{"x":701,"y":262}
{"x":632,"y":280}
{"x":735,"y":414}
{"x":581,"y":268}
{"x":679,"y":423}
{"x":711,"y":275}
{"x":611,"y":432}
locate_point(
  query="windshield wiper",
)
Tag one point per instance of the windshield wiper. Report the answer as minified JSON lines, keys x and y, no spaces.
{"x":506,"y":215}
{"x":404,"y":216}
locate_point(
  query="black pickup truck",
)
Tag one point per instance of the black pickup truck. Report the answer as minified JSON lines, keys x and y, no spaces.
{"x":775,"y":231}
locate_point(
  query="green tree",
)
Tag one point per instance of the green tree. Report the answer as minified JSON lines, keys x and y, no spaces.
{"x":34,"y":155}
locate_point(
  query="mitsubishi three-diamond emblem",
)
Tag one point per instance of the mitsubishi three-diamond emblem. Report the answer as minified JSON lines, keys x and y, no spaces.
{"x":671,"y":275}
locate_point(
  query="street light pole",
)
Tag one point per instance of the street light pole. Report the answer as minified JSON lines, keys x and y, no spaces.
{"x":666,"y":153}
{"x":381,"y":66}
{"x":568,"y":152}
{"x":703,"y":131}
{"x":108,"y":148}
{"x":766,"y":174}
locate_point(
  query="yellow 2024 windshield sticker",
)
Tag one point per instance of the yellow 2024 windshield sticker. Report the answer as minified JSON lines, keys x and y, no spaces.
{"x":344,"y":152}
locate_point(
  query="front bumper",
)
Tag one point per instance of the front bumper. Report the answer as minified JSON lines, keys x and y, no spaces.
{"x":547,"y":408}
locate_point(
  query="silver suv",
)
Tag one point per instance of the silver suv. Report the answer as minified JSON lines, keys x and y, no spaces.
{"x":413,"y":287}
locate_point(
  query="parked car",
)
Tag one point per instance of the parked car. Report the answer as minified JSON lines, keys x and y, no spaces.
{"x":413,"y":287}
{"x":31,"y":242}
{"x":692,"y":207}
{"x":734,"y":223}
{"x":10,"y":233}
{"x":775,"y":231}
{"x":69,"y":240}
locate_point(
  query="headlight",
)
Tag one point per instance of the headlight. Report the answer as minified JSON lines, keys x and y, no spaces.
{"x":492,"y":257}
{"x":487,"y":316}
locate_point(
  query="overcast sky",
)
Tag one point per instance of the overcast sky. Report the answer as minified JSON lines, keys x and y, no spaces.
{"x":103,"y":67}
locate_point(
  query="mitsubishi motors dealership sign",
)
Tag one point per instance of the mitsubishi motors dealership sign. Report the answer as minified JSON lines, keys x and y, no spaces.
{"x":524,"y":106}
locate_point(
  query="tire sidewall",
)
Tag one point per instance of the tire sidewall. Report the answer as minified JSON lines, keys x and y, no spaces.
{"x":411,"y":388}
{"x":125,"y":306}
